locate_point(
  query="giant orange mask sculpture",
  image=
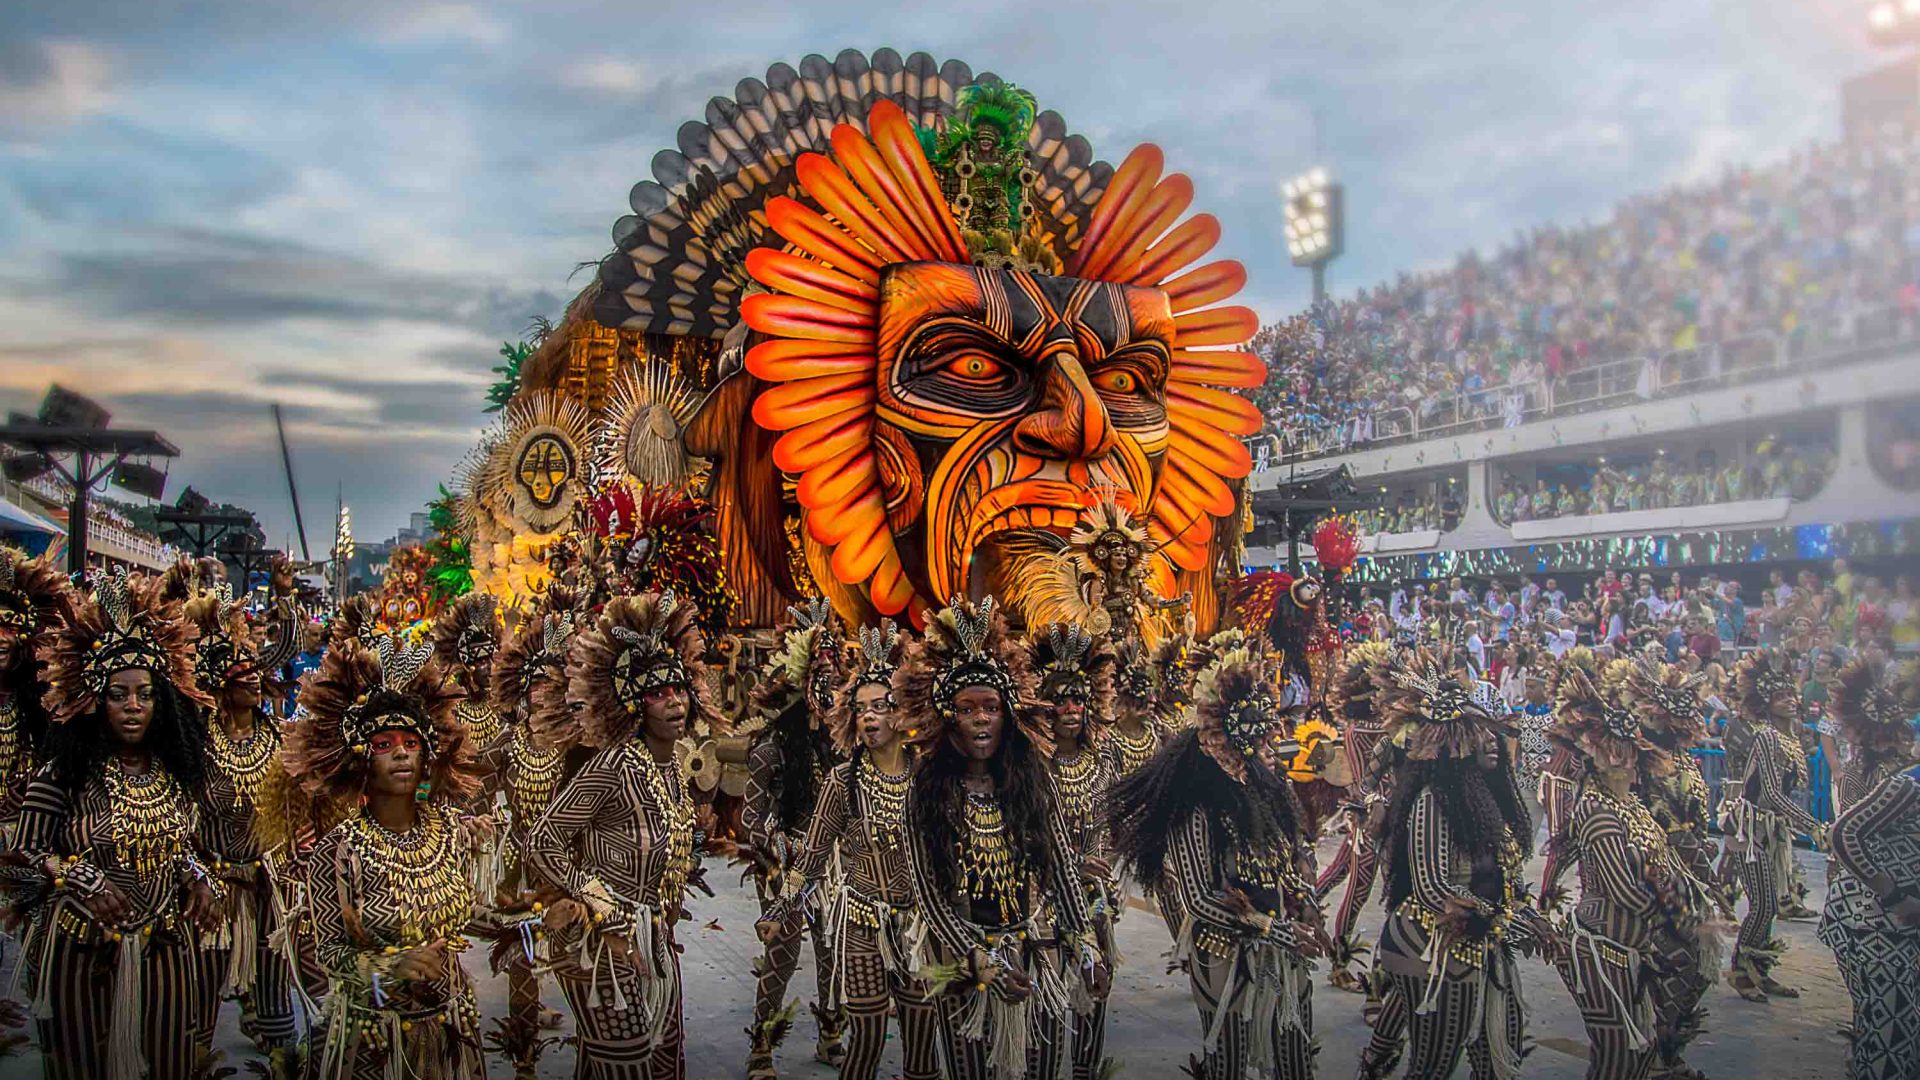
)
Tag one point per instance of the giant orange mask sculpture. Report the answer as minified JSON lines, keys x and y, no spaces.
{"x":963,"y":331}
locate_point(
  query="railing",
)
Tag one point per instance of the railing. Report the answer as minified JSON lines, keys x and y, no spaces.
{"x":1854,"y":334}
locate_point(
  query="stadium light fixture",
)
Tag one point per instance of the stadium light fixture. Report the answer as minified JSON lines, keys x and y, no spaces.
{"x":1893,"y":22}
{"x":1314,"y":219}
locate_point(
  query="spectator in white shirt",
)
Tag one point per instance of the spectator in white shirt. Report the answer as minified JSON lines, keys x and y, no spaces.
{"x":1476,"y":647}
{"x":1563,"y":637}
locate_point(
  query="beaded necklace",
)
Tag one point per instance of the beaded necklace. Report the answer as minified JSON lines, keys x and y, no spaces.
{"x":1645,"y":833}
{"x":986,"y":858}
{"x":150,"y":824}
{"x":669,"y":794}
{"x":1133,"y":752}
{"x":532,"y":775}
{"x":424,"y":869}
{"x":483,"y":722}
{"x":1074,"y":782}
{"x":884,"y":804}
{"x":244,"y":763}
{"x":10,"y":756}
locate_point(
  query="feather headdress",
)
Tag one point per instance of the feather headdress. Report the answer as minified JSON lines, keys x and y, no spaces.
{"x":531,"y":670}
{"x":356,"y":620}
{"x":636,"y":645}
{"x":1667,"y":700}
{"x":966,"y":645}
{"x":1868,"y":710}
{"x":1765,"y":693}
{"x":358,"y":692}
{"x":467,"y":633}
{"x":34,"y":595}
{"x":1173,"y":665}
{"x":1133,"y":676}
{"x":125,"y":624}
{"x":1355,"y":690}
{"x":1600,"y":730}
{"x":1235,"y":710}
{"x":879,"y":646}
{"x":1428,"y":712}
{"x":808,"y":665}
{"x":1074,"y":665}
{"x":227,"y":645}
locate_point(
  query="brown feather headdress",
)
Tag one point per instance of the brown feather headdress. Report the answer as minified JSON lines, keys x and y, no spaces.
{"x":531,"y":670}
{"x":1600,"y":730}
{"x":1133,"y":676}
{"x":809,"y":661}
{"x":34,"y":595}
{"x":1074,"y":665}
{"x":125,"y":624}
{"x":358,"y":692}
{"x":1427,"y":711}
{"x":1355,"y":690}
{"x":879,"y":647}
{"x":467,"y":633}
{"x":1173,"y":667}
{"x":637,"y":644}
{"x":227,"y":645}
{"x":1667,"y":700}
{"x":966,"y":645}
{"x":356,"y":620}
{"x":1764,"y":692}
{"x":1868,"y":710}
{"x":1235,"y":710}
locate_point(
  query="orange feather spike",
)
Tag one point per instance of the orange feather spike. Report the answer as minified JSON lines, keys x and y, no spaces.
{"x":1131,"y":237}
{"x":1216,"y":367}
{"x":781,"y":359}
{"x":869,"y":171}
{"x":1203,"y":407}
{"x":821,"y":441}
{"x":1224,"y":457}
{"x":837,"y":480}
{"x":788,"y":405}
{"x":1135,"y":177}
{"x":838,"y":195}
{"x":1230,"y":325}
{"x":791,"y":316}
{"x":899,"y":145}
{"x":812,"y":280}
{"x":1179,"y":249}
{"x":821,"y":238}
{"x":1204,"y":285}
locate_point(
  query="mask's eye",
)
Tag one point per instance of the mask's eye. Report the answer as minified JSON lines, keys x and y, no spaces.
{"x":973,"y":366}
{"x":1116,"y":382}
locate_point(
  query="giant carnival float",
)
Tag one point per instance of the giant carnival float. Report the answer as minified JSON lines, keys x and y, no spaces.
{"x":884,"y":332}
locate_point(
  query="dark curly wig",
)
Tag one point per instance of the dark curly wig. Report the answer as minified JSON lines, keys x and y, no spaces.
{"x":1479,"y":806}
{"x":1146,"y":808}
{"x":175,"y":737}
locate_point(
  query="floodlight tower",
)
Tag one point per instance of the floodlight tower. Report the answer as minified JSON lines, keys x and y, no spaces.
{"x":1316,"y":225}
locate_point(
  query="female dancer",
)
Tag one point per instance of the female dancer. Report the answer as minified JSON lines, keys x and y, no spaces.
{"x":1357,"y":859}
{"x":242,"y":739}
{"x":792,"y":752}
{"x":1138,"y":725}
{"x":529,"y":692}
{"x":1454,"y":838}
{"x":34,"y":597}
{"x":879,"y":936}
{"x":1872,"y":915}
{"x":1633,"y":889}
{"x":1666,"y":700}
{"x":992,"y":872}
{"x":1759,"y":817}
{"x":618,"y":840}
{"x":1212,"y":828}
{"x":110,"y":821}
{"x":388,"y":894}
{"x":1075,"y":671}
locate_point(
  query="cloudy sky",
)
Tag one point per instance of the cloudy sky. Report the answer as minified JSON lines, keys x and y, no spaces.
{"x":345,"y":207}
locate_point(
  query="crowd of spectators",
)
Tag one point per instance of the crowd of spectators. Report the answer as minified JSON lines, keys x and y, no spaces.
{"x":1802,"y":247}
{"x":1774,"y":468}
{"x":1817,"y":619}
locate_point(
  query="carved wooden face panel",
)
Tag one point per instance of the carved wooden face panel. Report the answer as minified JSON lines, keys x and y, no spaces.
{"x":1003,"y":398}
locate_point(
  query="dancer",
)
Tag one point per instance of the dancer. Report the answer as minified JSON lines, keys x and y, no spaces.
{"x":1758,"y":816}
{"x":242,"y":741}
{"x":1076,"y":689}
{"x":791,"y":755}
{"x":879,"y":937}
{"x":1871,"y":920}
{"x":34,"y":597}
{"x":1666,"y":700}
{"x":529,"y":692}
{"x":1633,"y":889}
{"x":618,"y":840}
{"x":1454,"y":838}
{"x":993,"y":874}
{"x":110,"y":821}
{"x":1139,"y":728}
{"x":388,"y":894}
{"x":1212,"y":828}
{"x":1358,"y":858}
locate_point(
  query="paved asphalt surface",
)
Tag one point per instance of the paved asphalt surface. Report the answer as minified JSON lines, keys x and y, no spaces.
{"x":1153,"y":1027}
